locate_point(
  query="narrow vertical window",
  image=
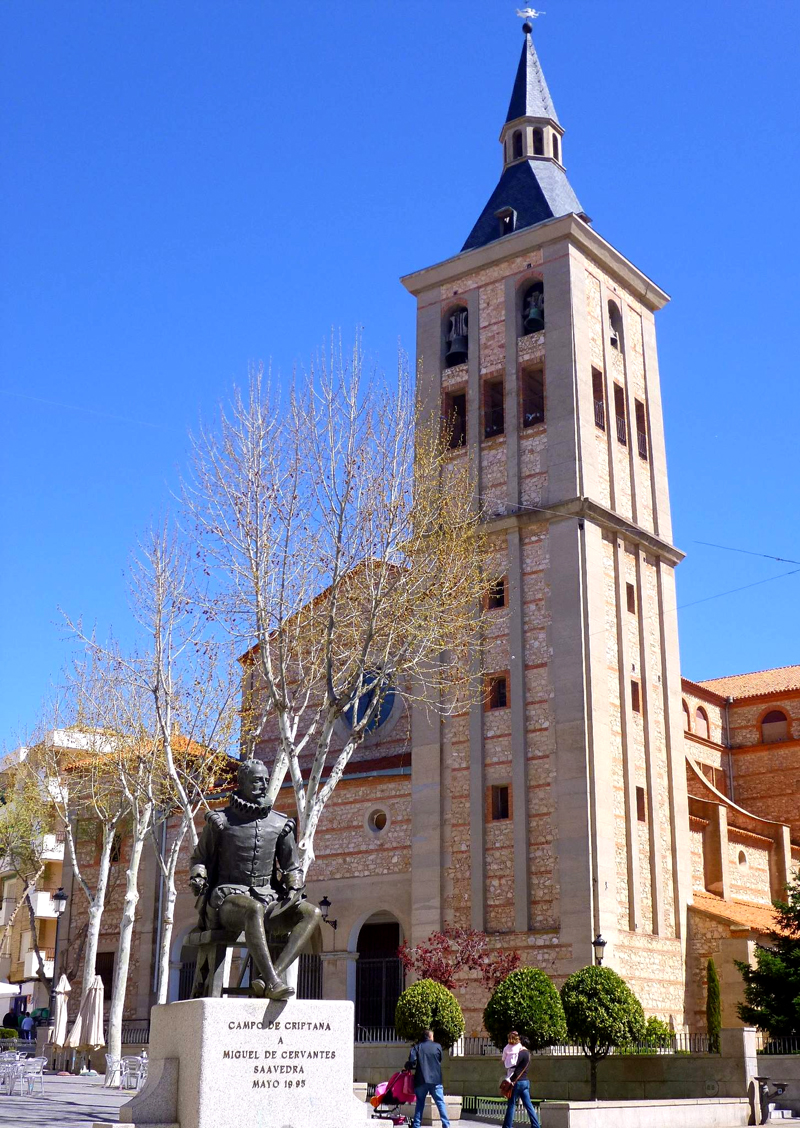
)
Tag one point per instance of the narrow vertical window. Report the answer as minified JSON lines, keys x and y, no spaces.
{"x":494,"y":414}
{"x":516,"y":145}
{"x":687,"y":719}
{"x":619,"y":411}
{"x":641,"y":430}
{"x":497,"y":691}
{"x":641,"y":805}
{"x":555,"y":146}
{"x":636,"y":700}
{"x":496,"y":597}
{"x":455,"y":419}
{"x":501,"y":806}
{"x":538,"y":143}
{"x":532,"y":390}
{"x":599,"y":396}
{"x":614,"y":325}
{"x":631,"y":595}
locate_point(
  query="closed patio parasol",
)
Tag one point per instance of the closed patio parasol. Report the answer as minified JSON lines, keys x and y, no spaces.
{"x":87,"y":1030}
{"x":60,"y":1024}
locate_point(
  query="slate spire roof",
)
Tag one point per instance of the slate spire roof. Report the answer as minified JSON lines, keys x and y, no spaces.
{"x":530,"y":96}
{"x":535,"y":187}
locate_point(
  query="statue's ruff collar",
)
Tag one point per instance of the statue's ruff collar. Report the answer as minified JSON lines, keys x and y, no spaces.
{"x":245,"y":807}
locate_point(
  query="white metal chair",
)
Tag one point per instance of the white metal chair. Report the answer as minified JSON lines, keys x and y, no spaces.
{"x":31,"y":1069}
{"x":113,"y":1071}
{"x":134,"y":1072}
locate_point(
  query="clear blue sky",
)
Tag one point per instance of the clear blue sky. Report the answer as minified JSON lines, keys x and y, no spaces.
{"x":189,"y":187}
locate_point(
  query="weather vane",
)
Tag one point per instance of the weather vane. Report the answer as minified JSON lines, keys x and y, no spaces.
{"x":529,"y":13}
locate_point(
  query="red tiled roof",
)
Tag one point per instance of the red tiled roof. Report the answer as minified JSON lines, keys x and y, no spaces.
{"x":761,"y":918}
{"x":778,"y":680}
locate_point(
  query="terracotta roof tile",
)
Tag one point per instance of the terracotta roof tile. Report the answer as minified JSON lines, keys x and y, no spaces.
{"x":752,"y":685}
{"x":761,"y":918}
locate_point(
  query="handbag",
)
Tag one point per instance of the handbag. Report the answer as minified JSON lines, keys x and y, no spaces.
{"x":506,"y":1088}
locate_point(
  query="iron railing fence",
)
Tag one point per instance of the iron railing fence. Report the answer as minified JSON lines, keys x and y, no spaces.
{"x":494,"y":1108}
{"x":375,"y":1035}
{"x":622,"y":430}
{"x":790,"y":1044}
{"x":679,"y":1044}
{"x":641,"y":439}
{"x":600,"y":413}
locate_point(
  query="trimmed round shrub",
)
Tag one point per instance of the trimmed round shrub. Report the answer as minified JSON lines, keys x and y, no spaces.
{"x":601,"y":1010}
{"x":526,"y":1001}
{"x":428,"y":1005}
{"x":6,"y":1032}
{"x":657,"y":1034}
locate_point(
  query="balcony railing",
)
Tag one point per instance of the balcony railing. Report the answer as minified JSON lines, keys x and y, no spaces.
{"x":600,"y":414}
{"x":622,"y":430}
{"x":641,"y":439}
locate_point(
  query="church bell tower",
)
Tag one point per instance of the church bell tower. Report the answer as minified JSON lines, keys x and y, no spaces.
{"x":556,"y":810}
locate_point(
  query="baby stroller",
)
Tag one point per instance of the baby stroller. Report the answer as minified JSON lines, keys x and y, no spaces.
{"x":389,"y":1095}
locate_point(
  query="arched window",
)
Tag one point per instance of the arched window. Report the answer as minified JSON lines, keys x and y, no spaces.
{"x":456,"y":335}
{"x":615,"y":325}
{"x":555,"y":146}
{"x":775,"y":726}
{"x":687,"y":719}
{"x":516,"y":145}
{"x":701,"y":722}
{"x":538,"y":143}
{"x":533,"y":309}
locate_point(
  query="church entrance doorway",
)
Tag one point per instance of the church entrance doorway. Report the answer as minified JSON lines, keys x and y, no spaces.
{"x":379,"y":975}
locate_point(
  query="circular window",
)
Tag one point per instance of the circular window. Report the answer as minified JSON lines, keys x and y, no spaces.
{"x":357,"y":713}
{"x":377,"y":821}
{"x":742,"y":858}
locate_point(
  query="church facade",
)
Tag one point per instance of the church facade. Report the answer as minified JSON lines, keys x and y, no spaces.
{"x":592,"y":792}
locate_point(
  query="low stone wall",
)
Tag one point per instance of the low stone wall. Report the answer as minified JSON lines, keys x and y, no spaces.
{"x":718,"y":1112}
{"x":560,"y":1077}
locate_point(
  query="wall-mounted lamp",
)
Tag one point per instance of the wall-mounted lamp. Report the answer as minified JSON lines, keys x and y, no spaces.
{"x":599,"y":945}
{"x":325,"y":905}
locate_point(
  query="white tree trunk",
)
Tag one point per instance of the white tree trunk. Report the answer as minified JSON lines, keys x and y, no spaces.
{"x":167,"y":923}
{"x":119,"y":989}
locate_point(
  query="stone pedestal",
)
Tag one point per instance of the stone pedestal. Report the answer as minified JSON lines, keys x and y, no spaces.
{"x":237,"y":1063}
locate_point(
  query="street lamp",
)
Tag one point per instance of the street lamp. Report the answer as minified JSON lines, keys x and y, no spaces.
{"x":599,"y":945}
{"x":59,"y":899}
{"x":325,"y":905}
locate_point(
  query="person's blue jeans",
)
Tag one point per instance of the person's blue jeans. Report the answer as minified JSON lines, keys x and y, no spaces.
{"x":522,"y":1092}
{"x":437,"y":1093}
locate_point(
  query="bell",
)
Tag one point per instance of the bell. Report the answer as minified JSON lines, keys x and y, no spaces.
{"x":534,"y":321}
{"x":457,"y":351}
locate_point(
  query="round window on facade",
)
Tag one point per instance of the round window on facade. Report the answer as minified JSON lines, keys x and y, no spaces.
{"x":377,"y":821}
{"x":742,"y":858}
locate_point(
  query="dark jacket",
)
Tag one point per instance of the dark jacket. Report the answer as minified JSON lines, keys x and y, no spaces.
{"x":426,"y":1061}
{"x":521,"y":1069}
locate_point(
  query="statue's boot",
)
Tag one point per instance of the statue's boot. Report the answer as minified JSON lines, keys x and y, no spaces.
{"x":277,"y":990}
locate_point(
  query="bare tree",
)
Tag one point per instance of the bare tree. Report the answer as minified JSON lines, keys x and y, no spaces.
{"x":26,"y":814}
{"x":344,"y":549}
{"x":76,"y":756}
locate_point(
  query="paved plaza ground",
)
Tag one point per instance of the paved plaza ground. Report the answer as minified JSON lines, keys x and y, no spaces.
{"x":67,"y":1101}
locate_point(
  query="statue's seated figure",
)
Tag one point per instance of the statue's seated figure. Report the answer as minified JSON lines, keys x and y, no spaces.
{"x":248,"y":878}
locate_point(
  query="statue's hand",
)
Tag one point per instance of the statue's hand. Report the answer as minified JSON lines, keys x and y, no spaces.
{"x":294,"y":897}
{"x":199,"y":884}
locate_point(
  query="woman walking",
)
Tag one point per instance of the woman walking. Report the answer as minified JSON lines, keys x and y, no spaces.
{"x":518,"y":1079}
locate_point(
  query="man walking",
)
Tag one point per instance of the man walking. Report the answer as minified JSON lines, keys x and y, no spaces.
{"x":426,"y":1061}
{"x":522,"y":1087}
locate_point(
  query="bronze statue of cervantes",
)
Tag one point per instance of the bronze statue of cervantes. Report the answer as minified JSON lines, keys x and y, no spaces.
{"x":248,"y":878}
